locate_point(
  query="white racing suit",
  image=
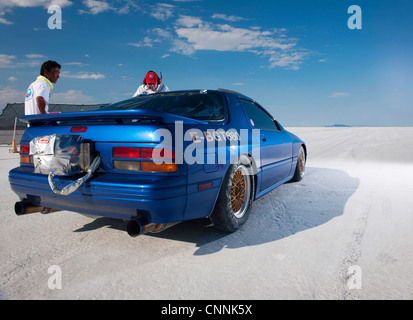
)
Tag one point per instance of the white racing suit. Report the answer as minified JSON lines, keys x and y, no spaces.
{"x":143,"y":89}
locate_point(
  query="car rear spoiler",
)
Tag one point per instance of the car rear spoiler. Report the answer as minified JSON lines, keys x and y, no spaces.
{"x":162,"y":117}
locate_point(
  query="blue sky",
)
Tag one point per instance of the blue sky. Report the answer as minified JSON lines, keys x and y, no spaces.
{"x":299,"y":59}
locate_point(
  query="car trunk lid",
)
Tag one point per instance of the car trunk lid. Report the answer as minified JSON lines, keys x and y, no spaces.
{"x":105,"y":132}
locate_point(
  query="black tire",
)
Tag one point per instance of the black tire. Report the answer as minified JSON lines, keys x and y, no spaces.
{"x":234,"y":200}
{"x":300,"y":168}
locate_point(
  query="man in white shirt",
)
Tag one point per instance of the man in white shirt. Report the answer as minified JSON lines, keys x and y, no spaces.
{"x":151,"y":84}
{"x":38,"y":93}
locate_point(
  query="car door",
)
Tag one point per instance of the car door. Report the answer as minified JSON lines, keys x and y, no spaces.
{"x":275,"y":145}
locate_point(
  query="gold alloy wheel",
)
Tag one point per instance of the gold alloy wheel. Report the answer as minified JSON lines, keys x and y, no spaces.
{"x":302,"y":162}
{"x":237,"y":191}
{"x":240,"y":191}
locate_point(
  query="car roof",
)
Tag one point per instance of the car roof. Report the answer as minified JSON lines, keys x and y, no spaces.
{"x":226,"y":91}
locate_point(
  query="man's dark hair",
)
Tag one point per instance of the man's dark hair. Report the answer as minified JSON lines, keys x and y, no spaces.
{"x":48,"y":66}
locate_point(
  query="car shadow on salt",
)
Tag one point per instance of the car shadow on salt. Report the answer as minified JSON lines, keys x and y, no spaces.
{"x":102,"y":222}
{"x":290,"y":208}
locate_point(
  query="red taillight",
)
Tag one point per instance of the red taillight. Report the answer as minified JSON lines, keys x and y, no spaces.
{"x":146,"y":153}
{"x":24,"y":154}
{"x":157,"y":154}
{"x":125,"y":152}
{"x":24,"y":148}
{"x":78,"y":129}
{"x":164,"y":156}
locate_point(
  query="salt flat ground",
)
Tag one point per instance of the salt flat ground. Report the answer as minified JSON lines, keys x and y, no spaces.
{"x":344,"y":232}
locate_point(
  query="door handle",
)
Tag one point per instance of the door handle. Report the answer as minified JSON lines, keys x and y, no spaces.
{"x":263,"y":138}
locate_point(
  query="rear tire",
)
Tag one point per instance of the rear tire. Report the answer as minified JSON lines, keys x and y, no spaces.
{"x":234,"y":200}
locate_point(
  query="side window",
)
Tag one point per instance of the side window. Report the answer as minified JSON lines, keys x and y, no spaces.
{"x":259,"y":118}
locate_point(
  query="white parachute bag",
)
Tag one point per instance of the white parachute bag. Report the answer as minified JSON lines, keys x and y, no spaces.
{"x":58,"y":155}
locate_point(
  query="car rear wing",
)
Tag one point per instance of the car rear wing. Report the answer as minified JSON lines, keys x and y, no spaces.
{"x":115,"y":115}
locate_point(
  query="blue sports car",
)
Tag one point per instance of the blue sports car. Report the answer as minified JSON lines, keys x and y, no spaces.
{"x":156,"y":160}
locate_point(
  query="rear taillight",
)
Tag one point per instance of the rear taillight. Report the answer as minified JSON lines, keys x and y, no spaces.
{"x":157,"y":154}
{"x":24,"y":149}
{"x":126,"y":165}
{"x":162,"y":167}
{"x":139,"y":159}
{"x":25,"y":158}
{"x":125,"y":152}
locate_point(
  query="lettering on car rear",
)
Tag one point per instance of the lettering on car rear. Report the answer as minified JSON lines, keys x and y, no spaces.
{"x":217,"y":135}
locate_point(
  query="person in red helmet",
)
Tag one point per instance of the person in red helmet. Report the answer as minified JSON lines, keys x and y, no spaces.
{"x":151,"y":84}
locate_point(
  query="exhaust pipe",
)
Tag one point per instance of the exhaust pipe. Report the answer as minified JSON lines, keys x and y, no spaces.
{"x":26,"y":207}
{"x":137,"y":227}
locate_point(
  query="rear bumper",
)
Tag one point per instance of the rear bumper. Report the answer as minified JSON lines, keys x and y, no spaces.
{"x":160,"y":199}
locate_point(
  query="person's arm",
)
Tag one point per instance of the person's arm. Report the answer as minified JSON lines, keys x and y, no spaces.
{"x":140,"y":90}
{"x":41,"y":104}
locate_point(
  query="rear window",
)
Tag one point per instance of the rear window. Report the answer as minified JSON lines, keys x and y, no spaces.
{"x":199,"y":105}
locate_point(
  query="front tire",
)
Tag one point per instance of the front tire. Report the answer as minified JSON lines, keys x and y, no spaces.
{"x":234,"y":200}
{"x":300,"y":168}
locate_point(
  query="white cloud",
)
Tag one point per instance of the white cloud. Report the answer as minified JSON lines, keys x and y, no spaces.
{"x":147,"y":42}
{"x":5,"y":21}
{"x":82,"y":75}
{"x":189,"y":34}
{"x":128,"y":6}
{"x":35,"y":60}
{"x":188,"y":21}
{"x":289,"y":60}
{"x":71,"y":96}
{"x":162,"y":11}
{"x":10,"y":95}
{"x":6,"y":6}
{"x":74,"y":63}
{"x":35,"y":56}
{"x":96,"y":6}
{"x":339,"y":95}
{"x":182,"y":47}
{"x":7,"y":61}
{"x":12,"y":78}
{"x":228,"y":18}
{"x":162,"y":33}
{"x":120,"y":6}
{"x":222,"y":38}
{"x":33,"y":3}
{"x":193,"y":34}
